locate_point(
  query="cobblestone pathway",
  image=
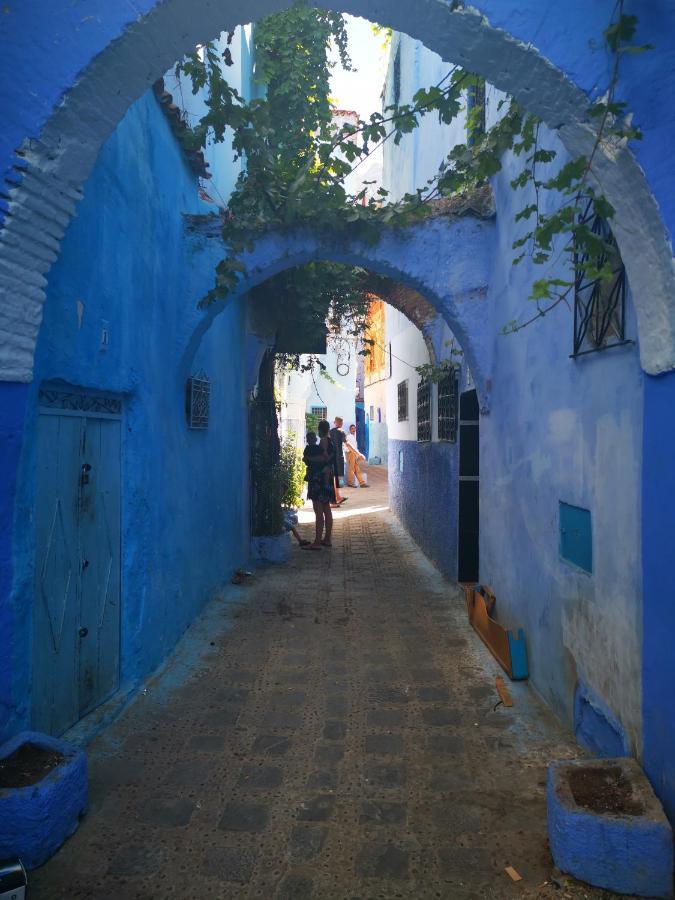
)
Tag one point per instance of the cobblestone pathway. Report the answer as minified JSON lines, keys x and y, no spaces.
{"x":328,"y":732}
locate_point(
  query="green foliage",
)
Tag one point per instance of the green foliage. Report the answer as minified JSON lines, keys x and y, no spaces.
{"x":297,"y":161}
{"x":311,"y":422}
{"x":291,"y":471}
{"x":430,"y":372}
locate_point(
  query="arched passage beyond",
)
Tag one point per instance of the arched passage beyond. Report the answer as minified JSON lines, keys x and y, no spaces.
{"x":444,"y":262}
{"x":108,"y":67}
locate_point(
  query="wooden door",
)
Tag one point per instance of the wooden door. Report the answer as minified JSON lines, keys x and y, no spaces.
{"x":76,"y":619}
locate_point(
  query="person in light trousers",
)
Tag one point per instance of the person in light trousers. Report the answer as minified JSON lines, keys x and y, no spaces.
{"x":354,"y":457}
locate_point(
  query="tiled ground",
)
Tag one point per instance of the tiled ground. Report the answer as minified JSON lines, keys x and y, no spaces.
{"x":330,"y":731}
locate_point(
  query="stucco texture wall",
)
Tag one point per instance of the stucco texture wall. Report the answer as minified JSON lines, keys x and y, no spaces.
{"x":568,"y":430}
{"x":424,"y":497}
{"x":125,"y":261}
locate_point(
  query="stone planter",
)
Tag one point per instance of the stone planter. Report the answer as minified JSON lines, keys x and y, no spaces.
{"x":606,"y":827}
{"x":36,"y":819}
{"x":275,"y":549}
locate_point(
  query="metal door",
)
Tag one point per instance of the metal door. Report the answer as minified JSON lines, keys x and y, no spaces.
{"x":468,"y":525}
{"x":77,"y":604}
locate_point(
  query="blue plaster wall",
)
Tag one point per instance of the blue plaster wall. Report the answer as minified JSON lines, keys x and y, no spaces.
{"x":658,"y":524}
{"x":125,"y":258}
{"x":424,"y":497}
{"x":563,"y":430}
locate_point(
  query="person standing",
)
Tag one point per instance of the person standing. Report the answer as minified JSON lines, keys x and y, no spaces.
{"x":338,"y":437}
{"x":354,"y":457}
{"x":318,"y":458}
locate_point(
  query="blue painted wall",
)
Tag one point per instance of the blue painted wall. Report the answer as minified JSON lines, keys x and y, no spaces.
{"x":424,"y":497}
{"x":563,"y":430}
{"x":658,"y":522}
{"x":126,"y":261}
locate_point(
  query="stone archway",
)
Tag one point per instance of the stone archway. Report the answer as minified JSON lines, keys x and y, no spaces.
{"x":440,"y":267}
{"x":126,"y":56}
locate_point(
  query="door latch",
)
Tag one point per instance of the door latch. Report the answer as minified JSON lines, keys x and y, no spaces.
{"x":84,"y":632}
{"x":84,"y":475}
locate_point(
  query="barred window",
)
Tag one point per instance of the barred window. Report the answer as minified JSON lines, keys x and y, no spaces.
{"x":448,"y":406}
{"x":321,"y":412}
{"x":403,"y":401}
{"x":197,"y":401}
{"x":424,"y":411}
{"x":599,"y":304}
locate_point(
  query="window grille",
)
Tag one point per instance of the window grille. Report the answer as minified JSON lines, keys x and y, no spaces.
{"x":321,"y":412}
{"x":197,"y":401}
{"x":372,"y":413}
{"x":475,"y":108}
{"x":448,"y":406}
{"x":397,"y":76}
{"x":403,"y":401}
{"x":424,"y":411}
{"x":599,"y":305}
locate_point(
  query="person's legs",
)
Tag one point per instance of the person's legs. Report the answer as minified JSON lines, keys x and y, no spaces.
{"x":319,"y":513}
{"x":328,"y":517}
{"x":351,"y":466}
{"x":338,"y":495}
{"x":299,"y":539}
{"x":357,"y":471}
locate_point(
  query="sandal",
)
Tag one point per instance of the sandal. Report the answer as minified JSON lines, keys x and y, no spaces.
{"x":304,"y":543}
{"x":325,"y":544}
{"x":310,"y":546}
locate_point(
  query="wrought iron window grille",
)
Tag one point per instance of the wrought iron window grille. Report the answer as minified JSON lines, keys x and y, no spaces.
{"x":321,"y":412}
{"x":448,"y":406}
{"x":424,"y":411}
{"x":403,"y":401}
{"x":197,"y":401}
{"x":599,"y":304}
{"x":397,"y":77}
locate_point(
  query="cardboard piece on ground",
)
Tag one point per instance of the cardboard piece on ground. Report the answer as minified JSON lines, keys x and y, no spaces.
{"x":503,"y":691}
{"x":513,"y":875}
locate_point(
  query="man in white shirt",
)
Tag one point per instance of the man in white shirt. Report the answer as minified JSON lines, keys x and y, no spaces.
{"x":354,"y":456}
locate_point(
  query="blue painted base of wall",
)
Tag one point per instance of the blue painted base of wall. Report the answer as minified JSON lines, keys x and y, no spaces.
{"x":36,"y":820}
{"x":629,"y":854}
{"x":596,"y":727}
{"x":424,"y":497}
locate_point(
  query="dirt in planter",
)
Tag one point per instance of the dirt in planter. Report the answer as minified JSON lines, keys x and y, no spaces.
{"x":27,"y":765}
{"x":605,"y":790}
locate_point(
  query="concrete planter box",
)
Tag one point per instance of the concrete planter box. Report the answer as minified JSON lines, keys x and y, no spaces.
{"x":606,"y":827}
{"x":35,"y":820}
{"x":272,"y":549}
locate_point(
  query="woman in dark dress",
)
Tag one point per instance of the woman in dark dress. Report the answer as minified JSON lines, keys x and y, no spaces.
{"x":339,"y":438}
{"x":319,"y":459}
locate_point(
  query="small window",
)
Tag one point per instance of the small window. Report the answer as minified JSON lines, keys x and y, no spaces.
{"x":576,"y":539}
{"x":448,"y":406}
{"x":197,"y":401}
{"x":424,"y":411}
{"x":372,"y":413}
{"x":321,"y":412}
{"x":397,"y":77}
{"x":599,"y":304}
{"x":403,"y":401}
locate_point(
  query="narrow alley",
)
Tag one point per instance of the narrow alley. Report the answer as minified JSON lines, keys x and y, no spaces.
{"x":328,"y":729}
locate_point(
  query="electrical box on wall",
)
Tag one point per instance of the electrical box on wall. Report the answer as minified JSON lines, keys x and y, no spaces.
{"x":576,"y":536}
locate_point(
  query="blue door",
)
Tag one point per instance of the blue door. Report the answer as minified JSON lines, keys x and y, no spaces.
{"x":76,"y":645}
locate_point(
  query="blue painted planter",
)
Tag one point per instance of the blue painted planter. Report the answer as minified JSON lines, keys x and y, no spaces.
{"x":36,"y":820}
{"x":275,"y":549}
{"x":630,"y":852}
